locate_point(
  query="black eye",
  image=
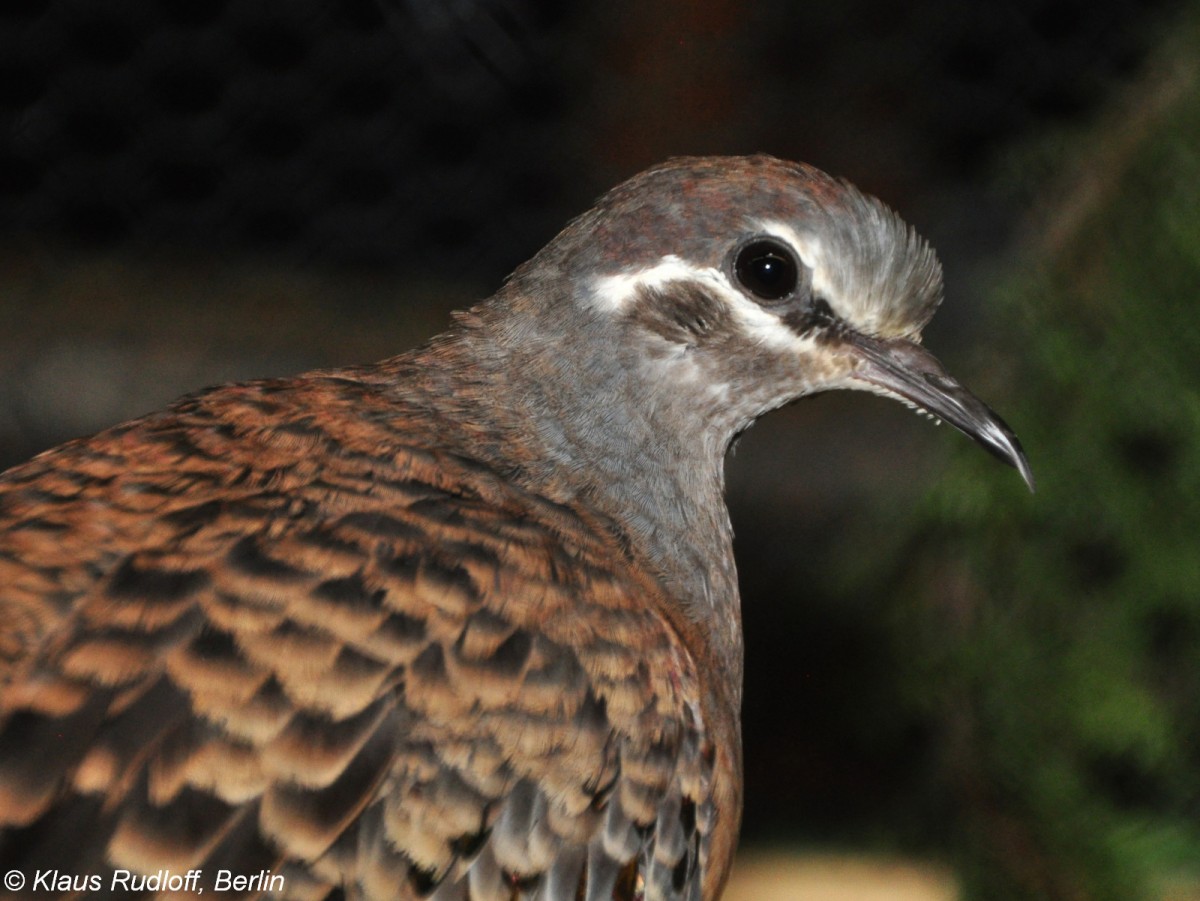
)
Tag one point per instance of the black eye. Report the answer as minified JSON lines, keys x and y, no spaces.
{"x":766,"y":269}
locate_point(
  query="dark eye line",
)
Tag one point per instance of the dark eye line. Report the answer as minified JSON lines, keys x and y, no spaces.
{"x":822,"y":312}
{"x":815,"y":316}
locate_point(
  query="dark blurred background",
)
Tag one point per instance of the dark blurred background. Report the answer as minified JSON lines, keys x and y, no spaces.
{"x":201,"y":190}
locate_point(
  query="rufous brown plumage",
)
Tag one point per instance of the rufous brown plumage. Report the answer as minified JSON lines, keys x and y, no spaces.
{"x":462,"y":624}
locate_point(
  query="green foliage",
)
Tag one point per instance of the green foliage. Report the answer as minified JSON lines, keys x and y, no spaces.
{"x":1052,"y":642}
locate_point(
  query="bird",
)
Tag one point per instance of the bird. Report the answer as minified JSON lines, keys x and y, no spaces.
{"x":460,"y":624}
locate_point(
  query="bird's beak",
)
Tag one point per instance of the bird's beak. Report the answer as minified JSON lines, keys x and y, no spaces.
{"x":905,"y":370}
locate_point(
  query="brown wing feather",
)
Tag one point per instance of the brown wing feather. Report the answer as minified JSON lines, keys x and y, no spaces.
{"x":324,"y":648}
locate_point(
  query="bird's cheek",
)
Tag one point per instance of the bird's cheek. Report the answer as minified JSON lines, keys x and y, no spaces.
{"x":826,"y":367}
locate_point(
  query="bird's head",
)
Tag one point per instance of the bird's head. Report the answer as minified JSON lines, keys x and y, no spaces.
{"x":738,"y":284}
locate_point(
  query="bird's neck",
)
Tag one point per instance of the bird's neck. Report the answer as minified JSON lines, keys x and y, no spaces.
{"x":582,"y":431}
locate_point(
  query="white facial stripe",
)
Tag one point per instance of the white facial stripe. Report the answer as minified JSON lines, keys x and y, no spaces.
{"x":763,"y":326}
{"x":615,"y":292}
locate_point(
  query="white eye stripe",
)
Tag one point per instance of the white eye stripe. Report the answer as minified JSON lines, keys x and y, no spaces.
{"x":614,"y":293}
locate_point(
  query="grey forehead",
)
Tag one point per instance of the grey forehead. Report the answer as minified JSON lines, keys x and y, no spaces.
{"x":885,"y":275}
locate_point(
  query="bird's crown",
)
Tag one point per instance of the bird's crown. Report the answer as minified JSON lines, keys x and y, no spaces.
{"x":737,"y":221}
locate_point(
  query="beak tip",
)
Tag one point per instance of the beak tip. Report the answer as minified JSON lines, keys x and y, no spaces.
{"x":1026,"y":473}
{"x":1009,"y":449}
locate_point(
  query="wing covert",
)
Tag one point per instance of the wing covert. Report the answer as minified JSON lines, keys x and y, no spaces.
{"x":394,"y":674}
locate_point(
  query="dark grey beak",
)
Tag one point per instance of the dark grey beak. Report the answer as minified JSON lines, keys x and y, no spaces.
{"x":906,"y":370}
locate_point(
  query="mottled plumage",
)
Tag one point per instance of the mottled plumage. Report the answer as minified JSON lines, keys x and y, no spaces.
{"x":464,"y":623}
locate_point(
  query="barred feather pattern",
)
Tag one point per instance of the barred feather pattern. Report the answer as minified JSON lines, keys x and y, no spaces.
{"x":277,"y":627}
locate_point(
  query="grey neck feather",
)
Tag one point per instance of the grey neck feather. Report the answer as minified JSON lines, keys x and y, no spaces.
{"x":567,"y":409}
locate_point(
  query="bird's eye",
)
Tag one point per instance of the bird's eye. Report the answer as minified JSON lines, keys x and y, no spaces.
{"x":767,"y":269}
